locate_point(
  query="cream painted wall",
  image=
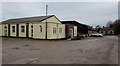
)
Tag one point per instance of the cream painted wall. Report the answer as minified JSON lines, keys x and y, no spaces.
{"x":52,"y":23}
{"x":56,"y":35}
{"x":75,"y":30}
{"x":50,"y":34}
{"x":12,"y":33}
{"x":3,"y":25}
{"x":0,"y":29}
{"x":22,"y":34}
{"x":36,"y":30}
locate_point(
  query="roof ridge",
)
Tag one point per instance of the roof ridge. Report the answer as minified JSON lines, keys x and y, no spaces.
{"x":29,"y":17}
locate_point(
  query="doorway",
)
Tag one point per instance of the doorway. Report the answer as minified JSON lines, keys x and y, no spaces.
{"x":27,"y":30}
{"x":71,"y":33}
{"x":5,"y":31}
{"x":31,"y":31}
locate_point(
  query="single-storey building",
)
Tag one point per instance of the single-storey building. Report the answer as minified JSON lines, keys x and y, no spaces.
{"x":106,"y":31}
{"x":70,"y":30}
{"x":80,"y":28}
{"x":39,"y":27}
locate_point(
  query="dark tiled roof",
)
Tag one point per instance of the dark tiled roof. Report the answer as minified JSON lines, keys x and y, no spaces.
{"x":72,"y":22}
{"x":27,"y":19}
{"x":105,"y":29}
{"x":81,"y":28}
{"x":92,"y":29}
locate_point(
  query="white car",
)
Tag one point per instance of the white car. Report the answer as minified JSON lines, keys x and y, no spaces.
{"x":97,"y":35}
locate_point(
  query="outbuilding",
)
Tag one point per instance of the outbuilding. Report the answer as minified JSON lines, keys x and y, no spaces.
{"x":75,"y":29}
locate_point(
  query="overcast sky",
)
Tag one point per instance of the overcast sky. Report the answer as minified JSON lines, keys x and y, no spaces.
{"x":91,"y":13}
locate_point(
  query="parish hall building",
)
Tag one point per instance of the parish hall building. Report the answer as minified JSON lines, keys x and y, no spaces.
{"x":40,"y":27}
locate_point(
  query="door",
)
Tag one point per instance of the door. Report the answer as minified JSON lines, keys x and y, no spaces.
{"x":8,"y":30}
{"x":17,"y":29}
{"x":71,"y":33}
{"x":5,"y":31}
{"x":31,"y":31}
{"x":27,"y":30}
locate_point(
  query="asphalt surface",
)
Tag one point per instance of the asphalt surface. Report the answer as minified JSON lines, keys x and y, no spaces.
{"x":91,"y":50}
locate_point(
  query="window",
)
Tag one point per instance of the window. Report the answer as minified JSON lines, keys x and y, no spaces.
{"x":40,"y":28}
{"x":31,"y":30}
{"x":31,"y":26}
{"x":5,"y":29}
{"x":23,"y":29}
{"x":13,"y":29}
{"x":54,"y":30}
{"x":60,"y":30}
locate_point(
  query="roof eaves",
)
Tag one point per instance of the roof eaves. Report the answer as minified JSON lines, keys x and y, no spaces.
{"x":9,"y":20}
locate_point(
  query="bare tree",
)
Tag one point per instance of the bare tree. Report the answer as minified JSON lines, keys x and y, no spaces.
{"x":98,"y":28}
{"x":116,"y":26}
{"x":109,"y":24}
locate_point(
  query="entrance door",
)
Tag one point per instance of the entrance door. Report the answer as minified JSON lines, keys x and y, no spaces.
{"x":71,"y":33}
{"x":31,"y":31}
{"x":27,"y":30}
{"x":17,"y":29}
{"x":5,"y":31}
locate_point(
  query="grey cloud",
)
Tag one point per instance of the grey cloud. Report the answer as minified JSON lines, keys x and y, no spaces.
{"x":92,"y":13}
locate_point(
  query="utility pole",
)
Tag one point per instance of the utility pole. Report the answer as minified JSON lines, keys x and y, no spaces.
{"x":46,"y":20}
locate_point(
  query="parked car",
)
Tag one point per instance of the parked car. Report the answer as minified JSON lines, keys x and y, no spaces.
{"x":97,"y":35}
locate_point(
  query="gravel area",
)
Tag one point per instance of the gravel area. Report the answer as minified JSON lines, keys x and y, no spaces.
{"x":91,"y":50}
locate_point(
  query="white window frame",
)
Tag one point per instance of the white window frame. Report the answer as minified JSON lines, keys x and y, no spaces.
{"x":13,"y":29}
{"x":40,"y":28}
{"x":5,"y":29}
{"x":22,"y":29}
{"x":60,"y":30}
{"x":54,"y":30}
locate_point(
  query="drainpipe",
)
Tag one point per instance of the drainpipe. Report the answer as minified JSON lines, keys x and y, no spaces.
{"x":57,"y":31}
{"x":46,"y":21}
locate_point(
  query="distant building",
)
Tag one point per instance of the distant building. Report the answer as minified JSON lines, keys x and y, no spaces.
{"x":33,"y":27}
{"x":92,"y":31}
{"x":106,"y":31}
